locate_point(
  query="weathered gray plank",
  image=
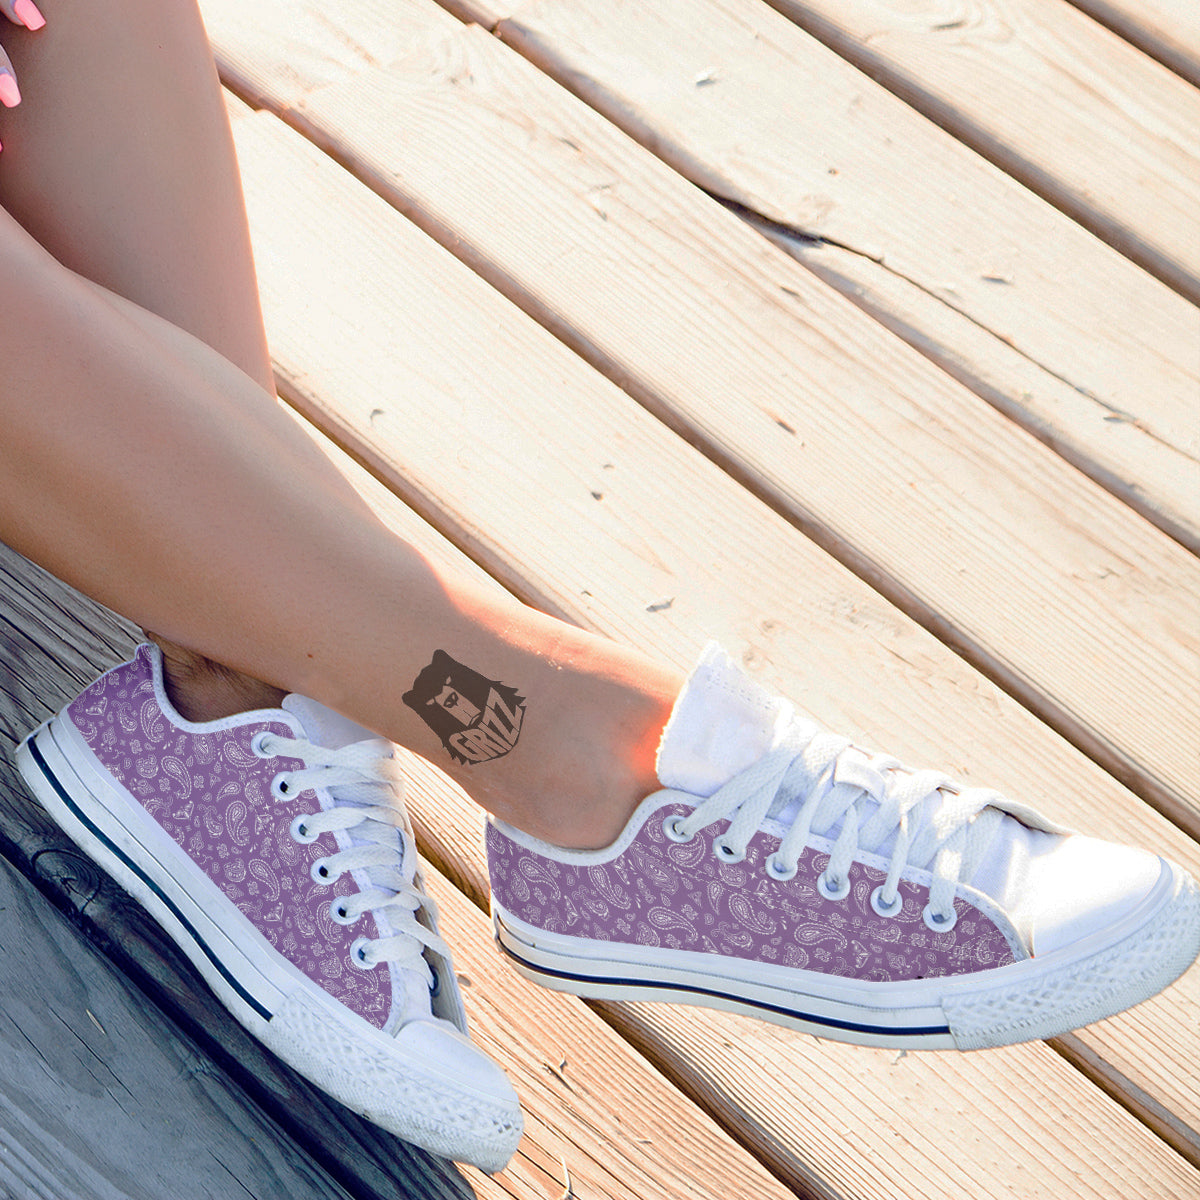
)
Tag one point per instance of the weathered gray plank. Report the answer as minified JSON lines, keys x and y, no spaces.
{"x":101,"y":1098}
{"x":53,"y":642}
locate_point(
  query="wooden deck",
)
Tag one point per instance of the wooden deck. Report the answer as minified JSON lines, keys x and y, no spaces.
{"x":858,"y":334}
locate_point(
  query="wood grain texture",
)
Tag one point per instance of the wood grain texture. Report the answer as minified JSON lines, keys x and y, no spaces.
{"x":1059,"y":102}
{"x":933,"y":497}
{"x":289,"y":47}
{"x":1168,"y":30}
{"x":102,"y":1098}
{"x":450,"y":394}
{"x":1051,"y":325}
{"x":597,"y":1114}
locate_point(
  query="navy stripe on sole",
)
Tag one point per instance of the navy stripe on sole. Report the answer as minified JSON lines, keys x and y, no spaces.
{"x":690,"y":989}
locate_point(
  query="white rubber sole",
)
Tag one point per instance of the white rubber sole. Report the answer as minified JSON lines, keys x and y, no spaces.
{"x":410,"y":1083}
{"x":1033,"y":999}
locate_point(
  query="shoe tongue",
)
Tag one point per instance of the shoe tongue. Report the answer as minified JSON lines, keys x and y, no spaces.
{"x":322,"y":726}
{"x":721,"y":723}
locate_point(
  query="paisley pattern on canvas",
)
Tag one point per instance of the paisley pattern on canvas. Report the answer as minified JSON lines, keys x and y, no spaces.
{"x":212,"y":795}
{"x":680,"y":896}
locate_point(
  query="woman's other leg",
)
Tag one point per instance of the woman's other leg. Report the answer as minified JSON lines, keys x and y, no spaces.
{"x":122,"y":165}
{"x":154,"y":474}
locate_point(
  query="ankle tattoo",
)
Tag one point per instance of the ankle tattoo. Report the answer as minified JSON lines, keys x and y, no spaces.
{"x":476,"y":718}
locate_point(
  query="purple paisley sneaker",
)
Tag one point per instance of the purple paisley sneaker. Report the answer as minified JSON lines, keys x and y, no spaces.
{"x":784,"y":873}
{"x":273,"y":846}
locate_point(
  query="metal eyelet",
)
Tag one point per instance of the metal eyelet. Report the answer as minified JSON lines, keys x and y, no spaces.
{"x":886,"y":910}
{"x":780,"y":871}
{"x":338,"y":913}
{"x":358,"y":954}
{"x":833,"y":889}
{"x":320,"y":871}
{"x":671,"y":827}
{"x":939,"y":922}
{"x":258,"y":745}
{"x":300,"y":831}
{"x":280,"y":788}
{"x":725,"y":852}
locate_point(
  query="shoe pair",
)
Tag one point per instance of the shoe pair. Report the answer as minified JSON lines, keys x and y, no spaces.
{"x":781,"y":872}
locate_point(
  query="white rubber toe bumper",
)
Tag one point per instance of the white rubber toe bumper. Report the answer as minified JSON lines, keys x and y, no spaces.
{"x":1103,"y":970}
{"x":426,"y":1083}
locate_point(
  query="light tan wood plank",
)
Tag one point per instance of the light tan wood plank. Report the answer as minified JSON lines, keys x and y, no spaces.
{"x":1104,"y":132}
{"x":932,"y":496}
{"x":454,"y":398}
{"x":290,"y":47}
{"x":1167,"y":29}
{"x":1054,"y":327}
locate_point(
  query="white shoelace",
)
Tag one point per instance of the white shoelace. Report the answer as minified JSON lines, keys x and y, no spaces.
{"x":380,"y":844}
{"x":814,"y":781}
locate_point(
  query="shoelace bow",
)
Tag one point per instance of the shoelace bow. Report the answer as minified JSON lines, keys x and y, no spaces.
{"x":380,"y":844}
{"x":933,"y":822}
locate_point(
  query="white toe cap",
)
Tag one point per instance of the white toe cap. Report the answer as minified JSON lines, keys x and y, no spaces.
{"x":1078,"y":886}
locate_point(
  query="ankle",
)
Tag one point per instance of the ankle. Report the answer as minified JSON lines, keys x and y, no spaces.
{"x":203,"y":690}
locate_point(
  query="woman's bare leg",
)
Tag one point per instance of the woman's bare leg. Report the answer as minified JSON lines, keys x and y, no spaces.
{"x":155,"y":474}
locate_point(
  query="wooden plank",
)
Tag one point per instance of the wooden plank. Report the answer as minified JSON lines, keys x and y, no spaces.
{"x":1010,"y":555}
{"x":600,"y":1121}
{"x":999,"y":288}
{"x":297,"y":46}
{"x":102,"y":1098}
{"x":1059,"y":102}
{"x":1169,"y":30}
{"x":453,"y":397}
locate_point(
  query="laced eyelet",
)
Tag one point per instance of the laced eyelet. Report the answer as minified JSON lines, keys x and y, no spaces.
{"x":280,"y":788}
{"x":338,"y":913}
{"x":258,"y":745}
{"x":671,"y":827}
{"x":359,"y":949}
{"x":833,"y":889}
{"x":725,"y":852}
{"x":939,"y":922}
{"x":886,"y":910}
{"x":300,"y":831}
{"x":780,"y":871}
{"x":320,"y":871}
